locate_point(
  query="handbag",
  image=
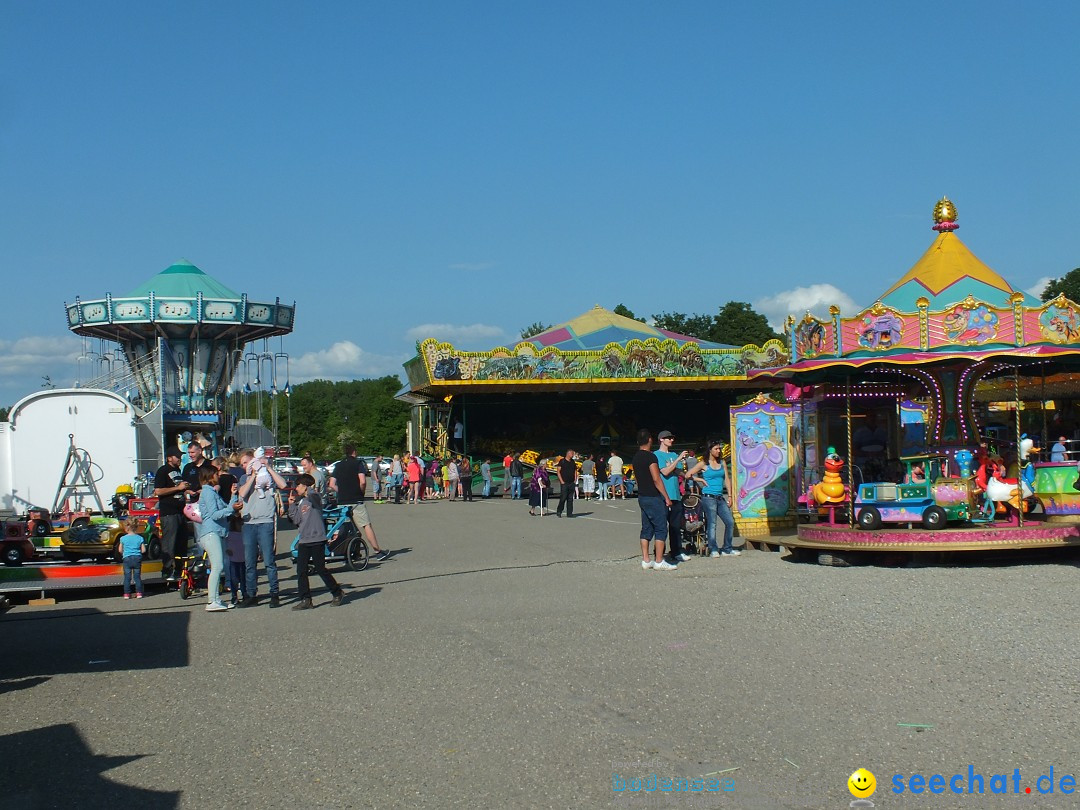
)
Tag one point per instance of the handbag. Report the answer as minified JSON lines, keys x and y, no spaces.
{"x":192,"y":513}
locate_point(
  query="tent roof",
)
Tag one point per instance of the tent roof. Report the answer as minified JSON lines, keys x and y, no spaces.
{"x":593,"y":330}
{"x":946,"y":274}
{"x":183,"y":280}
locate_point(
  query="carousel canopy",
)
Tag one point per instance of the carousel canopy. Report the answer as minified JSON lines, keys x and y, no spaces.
{"x":598,"y":327}
{"x":948,"y":273}
{"x":183,"y":280}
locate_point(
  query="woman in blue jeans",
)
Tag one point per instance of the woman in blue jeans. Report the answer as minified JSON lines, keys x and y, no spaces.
{"x":213,"y":530}
{"x":716,"y":498}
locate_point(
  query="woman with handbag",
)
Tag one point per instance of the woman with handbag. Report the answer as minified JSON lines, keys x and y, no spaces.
{"x":212,"y":529}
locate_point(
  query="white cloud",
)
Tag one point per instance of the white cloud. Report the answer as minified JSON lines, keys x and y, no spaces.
{"x":24,"y":363}
{"x":472,"y":266}
{"x":817,"y":298}
{"x":342,"y":361}
{"x":460,"y":336}
{"x":1036,"y":289}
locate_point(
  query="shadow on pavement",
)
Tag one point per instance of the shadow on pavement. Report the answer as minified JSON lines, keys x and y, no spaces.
{"x":53,"y":767}
{"x":51,"y":642}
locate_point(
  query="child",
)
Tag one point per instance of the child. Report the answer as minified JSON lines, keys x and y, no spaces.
{"x":263,"y":481}
{"x":234,"y":551}
{"x":133,"y":547}
{"x":305,"y":510}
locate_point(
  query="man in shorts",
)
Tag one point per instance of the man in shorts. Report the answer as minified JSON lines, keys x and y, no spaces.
{"x":349,"y":482}
{"x":670,"y":464}
{"x":615,"y":475}
{"x":654,"y":503}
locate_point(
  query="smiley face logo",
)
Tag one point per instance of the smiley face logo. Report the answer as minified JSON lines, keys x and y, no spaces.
{"x":862,"y":783}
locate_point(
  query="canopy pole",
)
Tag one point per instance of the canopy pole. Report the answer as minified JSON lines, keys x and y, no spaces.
{"x":1019,"y":470}
{"x":850,"y":457}
{"x":1045,"y":431}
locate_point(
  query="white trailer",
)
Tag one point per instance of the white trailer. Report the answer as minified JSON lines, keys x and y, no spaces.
{"x":35,"y":443}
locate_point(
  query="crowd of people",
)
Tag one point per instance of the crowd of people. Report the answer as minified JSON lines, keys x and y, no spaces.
{"x":230,"y":505}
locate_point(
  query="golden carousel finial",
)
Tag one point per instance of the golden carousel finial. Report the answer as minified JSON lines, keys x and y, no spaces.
{"x":945,"y":215}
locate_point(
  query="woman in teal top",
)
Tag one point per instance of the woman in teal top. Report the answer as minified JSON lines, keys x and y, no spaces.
{"x":716,"y":498}
{"x":213,"y":530}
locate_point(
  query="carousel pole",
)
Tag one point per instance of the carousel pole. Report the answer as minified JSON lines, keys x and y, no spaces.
{"x":1019,"y":471}
{"x":850,"y":458}
{"x":1045,"y":432}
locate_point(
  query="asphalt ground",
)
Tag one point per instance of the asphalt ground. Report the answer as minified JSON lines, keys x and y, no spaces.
{"x":502,"y":661}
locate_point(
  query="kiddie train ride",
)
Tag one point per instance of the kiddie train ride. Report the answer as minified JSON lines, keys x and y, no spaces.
{"x":947,"y":325}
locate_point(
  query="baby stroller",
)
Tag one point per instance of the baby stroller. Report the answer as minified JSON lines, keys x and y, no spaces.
{"x":693,"y":522}
{"x":193,"y":573}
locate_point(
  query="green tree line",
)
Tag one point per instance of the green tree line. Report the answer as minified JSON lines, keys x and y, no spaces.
{"x":325,"y":415}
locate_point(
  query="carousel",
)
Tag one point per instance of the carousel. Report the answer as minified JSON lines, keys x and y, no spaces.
{"x":894,"y":445}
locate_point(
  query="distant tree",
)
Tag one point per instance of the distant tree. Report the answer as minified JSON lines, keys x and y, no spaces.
{"x":533,"y":329}
{"x":626,"y":312}
{"x":698,"y":326}
{"x":738,"y":325}
{"x":324,"y":415}
{"x":1068,"y":285}
{"x":4,"y":414}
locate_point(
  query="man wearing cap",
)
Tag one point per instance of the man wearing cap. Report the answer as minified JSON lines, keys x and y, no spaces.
{"x":169,"y":488}
{"x":669,"y":463}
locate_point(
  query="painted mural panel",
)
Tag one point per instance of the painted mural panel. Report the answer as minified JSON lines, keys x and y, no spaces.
{"x":814,"y":337}
{"x":640,"y":359}
{"x":969,"y":323}
{"x":1059,"y":322}
{"x":762,"y":461}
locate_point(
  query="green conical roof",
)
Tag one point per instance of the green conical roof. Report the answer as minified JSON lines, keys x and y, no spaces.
{"x":183,"y":280}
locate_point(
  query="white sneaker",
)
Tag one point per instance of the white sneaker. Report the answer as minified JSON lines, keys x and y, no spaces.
{"x":733,"y":553}
{"x":646,"y":564}
{"x":213,"y":607}
{"x":684,"y":558}
{"x":715,"y":554}
{"x":664,"y":565}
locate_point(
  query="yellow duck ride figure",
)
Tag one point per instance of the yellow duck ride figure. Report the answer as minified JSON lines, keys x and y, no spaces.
{"x":831,"y":491}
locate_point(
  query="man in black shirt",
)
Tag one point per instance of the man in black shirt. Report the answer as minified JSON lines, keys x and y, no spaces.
{"x":349,"y":481}
{"x":169,"y":487}
{"x":654,"y":503}
{"x":191,"y":470}
{"x":568,"y":473}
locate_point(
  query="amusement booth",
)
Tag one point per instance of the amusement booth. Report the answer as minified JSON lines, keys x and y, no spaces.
{"x":885,"y":404}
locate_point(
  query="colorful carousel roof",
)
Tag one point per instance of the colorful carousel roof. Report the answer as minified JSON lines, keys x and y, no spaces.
{"x":948,"y":307}
{"x":598,"y":327}
{"x":948,"y":273}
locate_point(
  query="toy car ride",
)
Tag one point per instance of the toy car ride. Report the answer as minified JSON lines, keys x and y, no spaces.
{"x":926,"y":495}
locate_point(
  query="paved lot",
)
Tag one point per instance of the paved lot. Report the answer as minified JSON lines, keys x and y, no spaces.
{"x":500,"y":661}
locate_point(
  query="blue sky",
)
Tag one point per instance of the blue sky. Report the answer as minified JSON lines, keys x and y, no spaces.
{"x":462,"y":169}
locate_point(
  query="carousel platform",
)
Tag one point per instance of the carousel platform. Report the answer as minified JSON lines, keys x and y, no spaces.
{"x":52,"y":576}
{"x":979,"y":537}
